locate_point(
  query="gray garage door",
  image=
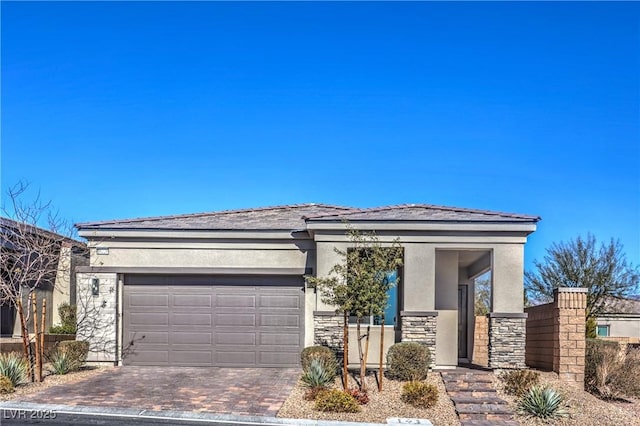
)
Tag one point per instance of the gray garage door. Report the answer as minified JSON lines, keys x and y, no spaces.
{"x":213,"y":321}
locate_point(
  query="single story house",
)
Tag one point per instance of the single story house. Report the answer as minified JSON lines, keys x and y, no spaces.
{"x":620,"y":319}
{"x":55,"y":257}
{"x":227,"y":288}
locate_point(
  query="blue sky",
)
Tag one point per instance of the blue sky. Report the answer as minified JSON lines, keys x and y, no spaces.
{"x":118,"y":110}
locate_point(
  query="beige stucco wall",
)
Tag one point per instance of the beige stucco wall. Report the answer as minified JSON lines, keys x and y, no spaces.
{"x":508,"y":278}
{"x":288,"y":256}
{"x":621,"y":327}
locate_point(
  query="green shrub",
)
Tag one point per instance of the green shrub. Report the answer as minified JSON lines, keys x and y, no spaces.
{"x":316,"y":375}
{"x":408,"y":361}
{"x":14,"y":367}
{"x":518,"y":382}
{"x":336,"y":401}
{"x":542,"y":402}
{"x":60,"y":362}
{"x":62,"y":329}
{"x":68,"y":320}
{"x":76,"y":351}
{"x":591,"y":328}
{"x":325,"y":355}
{"x":419,"y":394}
{"x":5,"y":385}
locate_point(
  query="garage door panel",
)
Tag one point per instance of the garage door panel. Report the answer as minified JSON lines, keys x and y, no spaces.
{"x":236,"y":320}
{"x":192,"y":300}
{"x":148,"y":357}
{"x":203,"y":324}
{"x":278,"y":359}
{"x":235,"y":358}
{"x":149,"y":300}
{"x":280,"y":339}
{"x":236,"y":301}
{"x":280,"y":320}
{"x":149,"y":318}
{"x":235,"y":338}
{"x":188,"y":338}
{"x":280,"y":301}
{"x":149,"y":337}
{"x":179,"y":319}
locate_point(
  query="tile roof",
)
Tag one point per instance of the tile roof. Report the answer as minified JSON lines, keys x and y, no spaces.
{"x":423,"y":212}
{"x":289,"y":217}
{"x":293,"y":217}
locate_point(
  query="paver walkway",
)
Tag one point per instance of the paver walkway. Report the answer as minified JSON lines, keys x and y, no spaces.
{"x":475,"y":398}
{"x":242,"y":391}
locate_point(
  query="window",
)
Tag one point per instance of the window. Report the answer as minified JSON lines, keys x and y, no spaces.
{"x":391,"y":313}
{"x":603,"y":331}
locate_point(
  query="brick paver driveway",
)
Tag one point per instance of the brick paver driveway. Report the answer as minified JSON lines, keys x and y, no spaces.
{"x":246,"y":391}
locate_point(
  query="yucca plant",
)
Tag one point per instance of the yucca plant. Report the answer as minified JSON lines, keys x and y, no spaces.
{"x":542,"y":402}
{"x":316,"y":375}
{"x":14,"y":367}
{"x":60,"y":362}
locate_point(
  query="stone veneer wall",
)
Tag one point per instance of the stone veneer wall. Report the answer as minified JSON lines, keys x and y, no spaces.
{"x":557,"y":338}
{"x":328,"y":329}
{"x":97,"y":316}
{"x":507,"y":333}
{"x":420,"y":327}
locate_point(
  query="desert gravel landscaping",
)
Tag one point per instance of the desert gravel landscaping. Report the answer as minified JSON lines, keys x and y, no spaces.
{"x":381,"y":406}
{"x":584,"y":409}
{"x":53,"y":380}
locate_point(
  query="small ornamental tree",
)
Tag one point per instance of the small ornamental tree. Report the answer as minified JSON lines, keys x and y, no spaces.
{"x":359,"y":286}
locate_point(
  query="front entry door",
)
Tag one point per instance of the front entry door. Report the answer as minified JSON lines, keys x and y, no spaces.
{"x":462,"y":320}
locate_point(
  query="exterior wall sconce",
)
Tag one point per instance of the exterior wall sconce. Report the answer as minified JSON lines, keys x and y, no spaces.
{"x":95,"y":286}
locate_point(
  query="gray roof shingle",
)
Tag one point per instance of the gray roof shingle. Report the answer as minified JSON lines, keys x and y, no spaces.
{"x":289,"y":217}
{"x":423,"y":212}
{"x":295,"y":217}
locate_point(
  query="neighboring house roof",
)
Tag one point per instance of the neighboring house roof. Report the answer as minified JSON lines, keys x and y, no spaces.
{"x":295,"y":217}
{"x":424,"y":212}
{"x":9,"y":227}
{"x":621,"y":306}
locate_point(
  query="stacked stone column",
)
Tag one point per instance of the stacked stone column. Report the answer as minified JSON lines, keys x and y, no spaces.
{"x":507,"y":340}
{"x":420,"y":326}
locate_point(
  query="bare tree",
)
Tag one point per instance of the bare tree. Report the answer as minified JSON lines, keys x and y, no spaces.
{"x":33,"y":238}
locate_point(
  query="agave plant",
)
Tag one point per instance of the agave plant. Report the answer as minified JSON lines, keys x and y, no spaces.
{"x":60,"y":362}
{"x":316,"y":375}
{"x":14,"y":367}
{"x":542,"y":402}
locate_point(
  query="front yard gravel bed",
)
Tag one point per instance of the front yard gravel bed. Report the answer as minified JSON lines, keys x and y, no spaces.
{"x":53,"y":380}
{"x":381,"y":406}
{"x":584,"y":409}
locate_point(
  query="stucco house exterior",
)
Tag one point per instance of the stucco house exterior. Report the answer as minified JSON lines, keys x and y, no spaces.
{"x":227,"y":288}
{"x":621,"y":319}
{"x":56,"y":286}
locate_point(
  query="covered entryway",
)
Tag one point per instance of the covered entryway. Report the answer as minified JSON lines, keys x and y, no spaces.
{"x":221,"y":321}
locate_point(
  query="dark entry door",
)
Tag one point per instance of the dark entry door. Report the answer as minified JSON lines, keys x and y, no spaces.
{"x":462,"y":321}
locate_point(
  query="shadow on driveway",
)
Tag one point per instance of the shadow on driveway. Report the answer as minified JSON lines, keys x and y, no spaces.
{"x":242,"y":391}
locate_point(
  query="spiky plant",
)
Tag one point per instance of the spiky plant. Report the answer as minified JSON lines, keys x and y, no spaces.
{"x":14,"y":367}
{"x":316,"y":375}
{"x":542,"y":402}
{"x":60,"y":362}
